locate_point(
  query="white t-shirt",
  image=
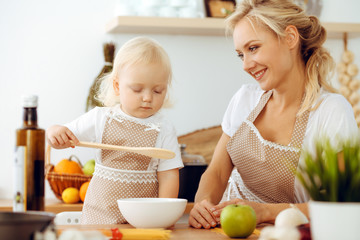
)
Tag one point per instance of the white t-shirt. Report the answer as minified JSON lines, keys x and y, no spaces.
{"x":333,"y":118}
{"x":90,"y":127}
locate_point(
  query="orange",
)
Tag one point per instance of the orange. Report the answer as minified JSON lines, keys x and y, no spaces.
{"x":70,"y":195}
{"x":68,"y":166}
{"x":83,"y":190}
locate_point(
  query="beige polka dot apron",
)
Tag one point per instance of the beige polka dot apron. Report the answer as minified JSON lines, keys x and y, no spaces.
{"x":120,"y":174}
{"x":262,"y":170}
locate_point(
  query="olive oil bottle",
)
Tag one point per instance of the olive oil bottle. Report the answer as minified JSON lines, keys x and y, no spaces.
{"x":29,"y":175}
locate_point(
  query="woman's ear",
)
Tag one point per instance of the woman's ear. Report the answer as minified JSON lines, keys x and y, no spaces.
{"x":292,"y":36}
{"x":116,"y":87}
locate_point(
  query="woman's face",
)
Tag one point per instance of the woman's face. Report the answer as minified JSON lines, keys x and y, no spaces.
{"x":142,"y":89}
{"x":265,"y":57}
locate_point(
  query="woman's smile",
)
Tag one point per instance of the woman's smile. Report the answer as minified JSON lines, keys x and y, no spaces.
{"x":258,"y":75}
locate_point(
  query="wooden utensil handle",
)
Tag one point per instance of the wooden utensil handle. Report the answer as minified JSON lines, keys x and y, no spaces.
{"x":147,"y":151}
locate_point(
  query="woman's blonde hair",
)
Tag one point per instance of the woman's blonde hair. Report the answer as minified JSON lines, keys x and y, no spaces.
{"x":277,"y":15}
{"x":139,"y":50}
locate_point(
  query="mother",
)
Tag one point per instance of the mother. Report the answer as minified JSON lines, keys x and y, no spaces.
{"x":266,"y":125}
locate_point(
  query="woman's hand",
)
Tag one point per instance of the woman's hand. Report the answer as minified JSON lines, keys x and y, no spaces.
{"x":260,"y":208}
{"x":201,"y":215}
{"x":59,"y":137}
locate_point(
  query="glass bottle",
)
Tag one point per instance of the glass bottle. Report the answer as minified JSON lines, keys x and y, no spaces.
{"x":29,"y":175}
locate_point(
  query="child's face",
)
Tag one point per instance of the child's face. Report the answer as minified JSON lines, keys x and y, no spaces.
{"x":142,"y":89}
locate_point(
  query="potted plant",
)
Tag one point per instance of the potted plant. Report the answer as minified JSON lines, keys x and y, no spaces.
{"x":332,"y":179}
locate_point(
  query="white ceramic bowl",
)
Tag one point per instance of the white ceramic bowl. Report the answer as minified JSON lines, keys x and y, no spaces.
{"x":152,"y":212}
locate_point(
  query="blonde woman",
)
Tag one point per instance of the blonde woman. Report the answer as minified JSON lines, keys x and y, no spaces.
{"x":133,"y":93}
{"x":266,"y":124}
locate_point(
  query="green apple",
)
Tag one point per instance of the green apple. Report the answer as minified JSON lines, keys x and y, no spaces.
{"x":89,"y":167}
{"x":238,"y":220}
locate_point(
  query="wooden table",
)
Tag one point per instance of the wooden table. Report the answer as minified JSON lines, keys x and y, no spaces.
{"x":51,"y":205}
{"x":57,"y":206}
{"x":181,"y":230}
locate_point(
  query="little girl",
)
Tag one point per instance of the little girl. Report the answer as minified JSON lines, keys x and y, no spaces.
{"x":132,"y":94}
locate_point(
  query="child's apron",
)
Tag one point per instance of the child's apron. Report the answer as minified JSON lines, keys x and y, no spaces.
{"x":120,"y":174}
{"x":263,"y":169}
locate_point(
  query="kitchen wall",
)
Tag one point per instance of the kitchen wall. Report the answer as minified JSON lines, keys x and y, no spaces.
{"x":54,"y":49}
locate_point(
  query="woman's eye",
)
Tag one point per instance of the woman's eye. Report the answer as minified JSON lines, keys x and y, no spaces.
{"x":241,"y":56}
{"x":252,"y":49}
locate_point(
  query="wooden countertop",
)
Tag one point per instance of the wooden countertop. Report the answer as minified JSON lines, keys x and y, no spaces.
{"x":56,"y":206}
{"x":180,"y":231}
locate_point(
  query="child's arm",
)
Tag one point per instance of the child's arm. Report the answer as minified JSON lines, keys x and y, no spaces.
{"x":168,"y":183}
{"x":59,"y":137}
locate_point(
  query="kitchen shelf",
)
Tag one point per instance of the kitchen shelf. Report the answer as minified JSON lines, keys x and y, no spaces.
{"x":160,"y":25}
{"x":201,"y":26}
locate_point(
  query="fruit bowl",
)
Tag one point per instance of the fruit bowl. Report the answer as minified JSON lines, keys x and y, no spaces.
{"x":152,"y":212}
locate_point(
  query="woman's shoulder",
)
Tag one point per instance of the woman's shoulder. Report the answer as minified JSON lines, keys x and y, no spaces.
{"x":332,"y":101}
{"x":333,"y":115}
{"x":247,"y":97}
{"x":249,"y":90}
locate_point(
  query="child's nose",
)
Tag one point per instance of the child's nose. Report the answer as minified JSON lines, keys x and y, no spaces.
{"x":147,"y":97}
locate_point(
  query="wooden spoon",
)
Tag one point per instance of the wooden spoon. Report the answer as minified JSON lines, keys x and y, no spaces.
{"x":147,"y":151}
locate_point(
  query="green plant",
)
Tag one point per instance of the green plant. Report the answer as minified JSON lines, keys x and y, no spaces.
{"x":329,"y":175}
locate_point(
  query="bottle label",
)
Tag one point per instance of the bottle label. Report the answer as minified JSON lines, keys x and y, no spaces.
{"x":19,"y":201}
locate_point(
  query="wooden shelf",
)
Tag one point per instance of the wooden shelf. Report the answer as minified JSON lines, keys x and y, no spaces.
{"x":200,"y":26}
{"x":337,"y":30}
{"x":159,"y":25}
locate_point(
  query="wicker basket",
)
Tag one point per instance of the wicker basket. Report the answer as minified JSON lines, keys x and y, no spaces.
{"x":60,"y":181}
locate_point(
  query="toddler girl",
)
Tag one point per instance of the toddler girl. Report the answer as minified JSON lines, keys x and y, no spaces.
{"x":132,"y":94}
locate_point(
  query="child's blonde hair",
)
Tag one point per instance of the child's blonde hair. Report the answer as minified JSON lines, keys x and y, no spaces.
{"x":139,"y":50}
{"x":276,"y":15}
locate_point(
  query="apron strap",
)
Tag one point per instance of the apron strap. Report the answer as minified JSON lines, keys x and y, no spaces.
{"x":259,"y":107}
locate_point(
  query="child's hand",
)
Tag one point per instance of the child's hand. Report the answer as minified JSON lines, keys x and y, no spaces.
{"x":59,"y":137}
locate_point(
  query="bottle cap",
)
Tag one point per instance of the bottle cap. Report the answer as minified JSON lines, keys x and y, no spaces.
{"x":30,"y":101}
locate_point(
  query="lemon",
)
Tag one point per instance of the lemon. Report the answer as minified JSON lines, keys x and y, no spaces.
{"x":70,"y":195}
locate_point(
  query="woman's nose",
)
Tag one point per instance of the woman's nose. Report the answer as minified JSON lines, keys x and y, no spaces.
{"x":248,"y":63}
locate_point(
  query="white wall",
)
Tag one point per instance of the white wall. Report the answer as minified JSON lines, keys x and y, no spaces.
{"x":54,"y":49}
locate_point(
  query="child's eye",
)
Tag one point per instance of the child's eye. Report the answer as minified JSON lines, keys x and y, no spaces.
{"x":157,"y":91}
{"x":137,"y":90}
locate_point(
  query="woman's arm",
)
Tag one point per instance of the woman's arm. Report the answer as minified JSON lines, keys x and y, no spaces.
{"x":212,"y":186}
{"x":265,"y":212}
{"x":168,"y":183}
